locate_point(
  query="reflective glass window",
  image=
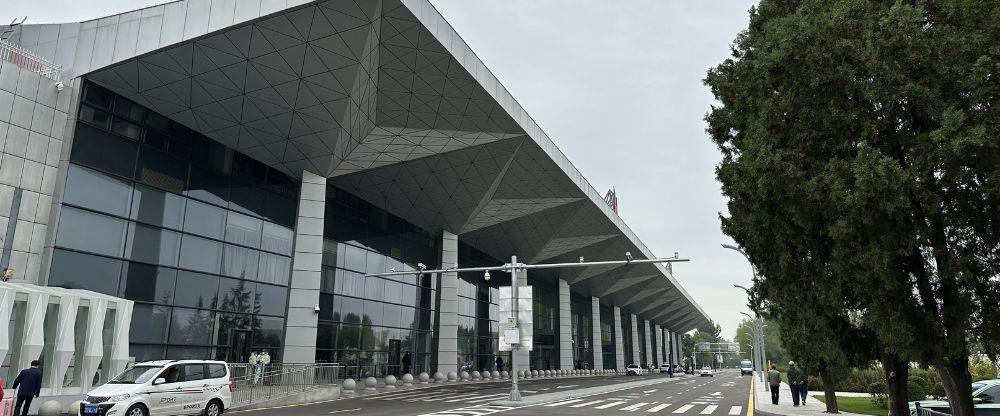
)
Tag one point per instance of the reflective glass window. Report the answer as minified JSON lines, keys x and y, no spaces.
{"x":193,"y":372}
{"x":274,"y":269}
{"x":246,"y":197}
{"x":146,"y":352}
{"x":355,"y":258}
{"x":393,"y":292}
{"x":145,"y":283}
{"x":126,"y":128}
{"x":94,"y":116}
{"x":326,"y":310}
{"x":88,"y":231}
{"x":349,"y":337}
{"x":375,"y":263}
{"x":196,"y":290}
{"x":208,"y":185}
{"x":407,"y":317}
{"x":97,"y":96}
{"x":83,"y":271}
{"x":391,"y":315}
{"x":237,"y":295}
{"x":152,"y":245}
{"x":200,"y":254}
{"x":187,"y":353}
{"x":374,"y":287}
{"x":103,"y":151}
{"x":373,"y":312}
{"x":269,"y":335}
{"x":97,"y":191}
{"x":277,"y":239}
{"x":351,"y":310}
{"x":129,"y":110}
{"x":243,"y":230}
{"x":191,"y":326}
{"x":161,"y":170}
{"x":149,"y":323}
{"x":240,"y":262}
{"x":204,"y":219}
{"x":156,"y":207}
{"x":326,"y":336}
{"x":272,"y":299}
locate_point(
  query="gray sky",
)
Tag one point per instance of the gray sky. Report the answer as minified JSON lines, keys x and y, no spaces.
{"x":617,"y":85}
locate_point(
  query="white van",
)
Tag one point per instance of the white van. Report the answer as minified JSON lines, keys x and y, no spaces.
{"x":163,"y":388}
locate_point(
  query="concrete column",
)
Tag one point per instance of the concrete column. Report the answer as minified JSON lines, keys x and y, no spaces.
{"x":658,"y":351}
{"x":299,"y":344}
{"x":523,"y":355}
{"x":635,"y":340}
{"x":565,"y":328}
{"x":595,"y":321}
{"x":447,"y":333}
{"x":619,"y":340}
{"x":679,"y":347}
{"x":649,"y":341}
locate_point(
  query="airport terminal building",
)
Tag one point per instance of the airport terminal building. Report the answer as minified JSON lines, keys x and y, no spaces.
{"x":230,"y":171}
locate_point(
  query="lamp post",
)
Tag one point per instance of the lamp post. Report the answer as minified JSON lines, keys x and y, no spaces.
{"x":515,"y":268}
{"x":760,"y":328}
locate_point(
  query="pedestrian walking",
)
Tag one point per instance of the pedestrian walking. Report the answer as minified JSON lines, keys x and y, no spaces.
{"x":264,"y":360}
{"x":29,"y":385}
{"x":407,"y":362}
{"x":7,"y":275}
{"x":499,"y":363}
{"x":254,"y":369}
{"x":794,"y":378}
{"x":774,"y":381}
{"x":803,"y":383}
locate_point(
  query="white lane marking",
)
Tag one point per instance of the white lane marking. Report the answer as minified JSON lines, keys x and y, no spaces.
{"x":735,"y":410}
{"x":445,"y":396}
{"x":588,"y":403}
{"x":566,"y":387}
{"x":718,"y":393}
{"x":699,"y":402}
{"x":488,"y":398}
{"x":709,"y":409}
{"x":345,"y":410}
{"x":635,"y":407}
{"x":407,"y":395}
{"x":683,"y":409}
{"x":612,"y":404}
{"x":657,"y":408}
{"x":470,"y":411}
{"x":564,"y":402}
{"x":649,"y":391}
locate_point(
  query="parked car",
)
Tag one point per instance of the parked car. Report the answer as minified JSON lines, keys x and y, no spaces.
{"x":166,"y":387}
{"x":664,"y":368}
{"x":746,"y":367}
{"x":707,"y":371}
{"x":635,"y":370}
{"x":985,"y":395}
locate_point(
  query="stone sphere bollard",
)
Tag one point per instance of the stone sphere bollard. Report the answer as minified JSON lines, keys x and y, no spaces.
{"x":390,"y":381}
{"x":452,"y":376}
{"x":349,"y":386}
{"x":534,"y":373}
{"x":74,"y":408}
{"x":408,"y":379}
{"x":504,"y":374}
{"x":370,"y":384}
{"x":464,"y":375}
{"x":476,"y":375}
{"x":439,"y":377}
{"x":50,"y":408}
{"x":495,"y":375}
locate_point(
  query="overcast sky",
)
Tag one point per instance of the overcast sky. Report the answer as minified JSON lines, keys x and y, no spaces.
{"x":617,"y":85}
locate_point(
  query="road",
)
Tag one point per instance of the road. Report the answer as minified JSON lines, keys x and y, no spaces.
{"x":724,"y":394}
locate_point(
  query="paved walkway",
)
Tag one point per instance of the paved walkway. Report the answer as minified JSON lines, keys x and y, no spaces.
{"x":763,"y":406}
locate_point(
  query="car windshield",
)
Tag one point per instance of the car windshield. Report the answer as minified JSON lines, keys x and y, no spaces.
{"x":136,"y":375}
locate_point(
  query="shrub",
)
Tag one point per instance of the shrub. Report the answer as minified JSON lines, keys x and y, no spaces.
{"x":916,"y":388}
{"x":982,"y":370}
{"x":880,"y":394}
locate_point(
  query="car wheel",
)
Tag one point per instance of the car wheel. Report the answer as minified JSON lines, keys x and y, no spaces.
{"x":137,"y":410}
{"x":214,"y":408}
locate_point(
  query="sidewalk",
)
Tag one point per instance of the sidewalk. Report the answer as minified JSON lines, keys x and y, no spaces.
{"x":763,"y":406}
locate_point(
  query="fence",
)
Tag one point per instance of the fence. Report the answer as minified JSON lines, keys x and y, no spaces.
{"x":255,"y":384}
{"x":923,"y":411}
{"x":29,"y":60}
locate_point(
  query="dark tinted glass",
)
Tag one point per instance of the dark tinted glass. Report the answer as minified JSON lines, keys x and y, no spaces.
{"x":103,"y":151}
{"x":146,"y":352}
{"x":272,"y":299}
{"x":97,"y":96}
{"x":149,"y":323}
{"x":326,"y":336}
{"x":280,"y":210}
{"x":92,"y":232}
{"x":247,"y":197}
{"x":200,"y":254}
{"x":161,"y":170}
{"x":152,"y":245}
{"x":129,"y":110}
{"x":208,"y":185}
{"x":216,"y":371}
{"x":196,"y":290}
{"x":191,"y":326}
{"x":98,"y":191}
{"x":157,"y":122}
{"x":269,"y":334}
{"x":145,"y":283}
{"x":83,"y":271}
{"x":95,"y":116}
{"x":156,"y":207}
{"x":126,"y":128}
{"x":204,"y":219}
{"x":186,"y":353}
{"x":237,"y":295}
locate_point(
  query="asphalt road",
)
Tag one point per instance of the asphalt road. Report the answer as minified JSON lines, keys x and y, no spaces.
{"x":694,"y":395}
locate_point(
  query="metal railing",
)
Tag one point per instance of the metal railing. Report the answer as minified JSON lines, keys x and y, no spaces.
{"x":29,"y":60}
{"x":923,"y":411}
{"x":256,"y":384}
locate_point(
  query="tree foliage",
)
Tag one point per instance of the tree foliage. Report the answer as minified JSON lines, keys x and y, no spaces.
{"x":862,"y":167}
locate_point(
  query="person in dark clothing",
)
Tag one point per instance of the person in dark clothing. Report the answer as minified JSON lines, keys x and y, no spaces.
{"x":803,"y":384}
{"x":794,"y":380}
{"x":774,"y":381}
{"x":499,"y":363}
{"x":407,"y":362}
{"x":30,"y":382}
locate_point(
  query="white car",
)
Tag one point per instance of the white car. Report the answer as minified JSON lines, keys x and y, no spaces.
{"x":707,"y":371}
{"x":746,"y":367}
{"x":664,"y":368}
{"x":634,"y":370}
{"x":162,"y":388}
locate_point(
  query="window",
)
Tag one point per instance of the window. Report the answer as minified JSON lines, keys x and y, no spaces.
{"x":243,"y":230}
{"x":97,"y":191}
{"x":272,"y":299}
{"x":216,"y":371}
{"x":103,"y":151}
{"x":191,"y":326}
{"x":156,"y":207}
{"x":161,"y":170}
{"x":200,"y":254}
{"x":277,"y":239}
{"x":149,"y":324}
{"x":152,"y":245}
{"x":240,"y":262}
{"x":205,"y":220}
{"x":126,"y":128}
{"x":193,"y":372}
{"x":274,"y":269}
{"x":83,"y":271}
{"x":87,"y":231}
{"x":236,"y":295}
{"x":196,"y":290}
{"x":145,"y":283}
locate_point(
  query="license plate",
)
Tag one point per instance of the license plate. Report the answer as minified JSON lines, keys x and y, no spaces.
{"x":90,"y":410}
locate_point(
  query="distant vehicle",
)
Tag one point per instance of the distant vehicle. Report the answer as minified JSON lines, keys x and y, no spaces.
{"x":635,"y":370}
{"x":678,"y":369}
{"x":746,"y":367}
{"x":985,"y":395}
{"x":165,"y":387}
{"x":707,"y":371}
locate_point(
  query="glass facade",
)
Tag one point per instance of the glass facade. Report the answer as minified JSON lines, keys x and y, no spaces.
{"x":627,"y":336}
{"x":582,"y":332}
{"x":608,"y":336}
{"x":200,"y":240}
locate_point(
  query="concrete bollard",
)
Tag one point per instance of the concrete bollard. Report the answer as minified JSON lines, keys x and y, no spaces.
{"x":390,"y":382}
{"x":495,"y":375}
{"x":439,"y":377}
{"x":408,"y":379}
{"x":50,"y":408}
{"x":370,"y":384}
{"x":534,"y":373}
{"x":349,"y":386}
{"x":464,"y":375}
{"x":452,"y":377}
{"x":476,"y":375}
{"x":424,"y":377}
{"x":504,"y":374}
{"x":74,"y":408}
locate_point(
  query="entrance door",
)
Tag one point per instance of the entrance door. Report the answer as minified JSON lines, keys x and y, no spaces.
{"x":239,"y":346}
{"x":394,"y":357}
